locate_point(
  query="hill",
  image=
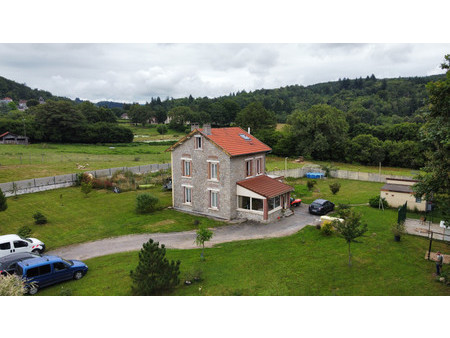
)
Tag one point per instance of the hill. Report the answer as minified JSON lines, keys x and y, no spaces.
{"x":17,"y":91}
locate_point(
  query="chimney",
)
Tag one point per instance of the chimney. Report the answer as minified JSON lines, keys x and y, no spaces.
{"x":248,"y":130}
{"x":207,"y":128}
{"x":194,"y":126}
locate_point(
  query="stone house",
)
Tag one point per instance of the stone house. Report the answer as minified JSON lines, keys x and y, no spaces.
{"x":398,"y":191}
{"x":220,"y":172}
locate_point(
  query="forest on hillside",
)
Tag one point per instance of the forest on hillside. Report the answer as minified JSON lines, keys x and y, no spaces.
{"x":363,"y":120}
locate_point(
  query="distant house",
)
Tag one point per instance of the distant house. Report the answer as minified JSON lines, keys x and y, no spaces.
{"x":6,"y":100}
{"x":124,"y":116}
{"x":398,"y":191}
{"x":41,"y":100}
{"x":10,"y":138}
{"x":23,"y":105}
{"x":220,"y":172}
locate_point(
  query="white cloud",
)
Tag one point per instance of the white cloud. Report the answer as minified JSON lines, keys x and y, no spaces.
{"x":137,"y":72}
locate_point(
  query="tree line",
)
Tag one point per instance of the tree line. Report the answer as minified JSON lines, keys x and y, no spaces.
{"x":65,"y":122}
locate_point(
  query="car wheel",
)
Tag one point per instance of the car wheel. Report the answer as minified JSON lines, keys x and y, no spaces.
{"x":78,"y":275}
{"x":36,"y":251}
{"x":32,"y":290}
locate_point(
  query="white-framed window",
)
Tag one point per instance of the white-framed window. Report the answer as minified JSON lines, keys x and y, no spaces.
{"x":214,"y":199}
{"x":418,"y":199}
{"x":198,"y":142}
{"x":186,"y":167}
{"x":248,"y":168}
{"x":274,"y":203}
{"x":187,"y":195}
{"x":259,"y":166}
{"x":213,"y":170}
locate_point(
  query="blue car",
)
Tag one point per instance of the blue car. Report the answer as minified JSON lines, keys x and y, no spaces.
{"x":47,"y":270}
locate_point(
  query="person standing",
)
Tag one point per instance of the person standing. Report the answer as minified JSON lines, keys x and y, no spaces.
{"x":439,"y":262}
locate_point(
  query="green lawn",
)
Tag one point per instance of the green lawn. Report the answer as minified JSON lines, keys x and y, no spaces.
{"x":351,"y":192}
{"x":305,"y":263}
{"x":149,"y":133}
{"x":19,"y":162}
{"x":102,"y":214}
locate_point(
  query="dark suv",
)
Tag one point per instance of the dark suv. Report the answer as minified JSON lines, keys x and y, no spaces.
{"x":320,"y":207}
{"x":8,"y":263}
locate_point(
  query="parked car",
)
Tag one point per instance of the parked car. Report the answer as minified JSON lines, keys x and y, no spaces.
{"x":295,"y":202}
{"x":10,"y":244}
{"x":47,"y":270}
{"x":8,"y":263}
{"x":320,"y":207}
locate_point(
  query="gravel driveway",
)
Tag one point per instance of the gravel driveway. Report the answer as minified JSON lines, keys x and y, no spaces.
{"x":185,"y":239}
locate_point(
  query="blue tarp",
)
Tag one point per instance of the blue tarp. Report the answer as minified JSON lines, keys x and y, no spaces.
{"x":314,"y":175}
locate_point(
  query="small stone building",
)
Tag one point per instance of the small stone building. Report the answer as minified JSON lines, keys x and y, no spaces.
{"x":9,"y":138}
{"x":398,"y":191}
{"x":220,"y":172}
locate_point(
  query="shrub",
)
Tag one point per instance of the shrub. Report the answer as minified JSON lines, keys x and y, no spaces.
{"x":310,"y":184}
{"x":343,"y":210}
{"x":162,"y":129}
{"x":98,"y":183}
{"x":11,"y":285}
{"x":327,"y":229}
{"x":398,"y":229}
{"x":86,"y":188}
{"x":374,"y":202}
{"x":24,"y":231}
{"x":39,"y":218}
{"x":154,"y":274}
{"x":335,"y":187}
{"x":146,"y":203}
{"x":3,"y":204}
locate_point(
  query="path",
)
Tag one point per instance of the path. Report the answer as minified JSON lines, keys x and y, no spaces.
{"x":185,"y":240}
{"x":417,"y":227}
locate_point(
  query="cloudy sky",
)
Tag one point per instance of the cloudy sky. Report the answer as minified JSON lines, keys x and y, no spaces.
{"x":137,"y":72}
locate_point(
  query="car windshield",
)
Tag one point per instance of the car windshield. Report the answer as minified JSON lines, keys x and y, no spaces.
{"x":26,"y":239}
{"x":67,"y":261}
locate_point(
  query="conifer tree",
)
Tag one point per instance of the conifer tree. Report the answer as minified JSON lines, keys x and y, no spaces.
{"x":154,"y":274}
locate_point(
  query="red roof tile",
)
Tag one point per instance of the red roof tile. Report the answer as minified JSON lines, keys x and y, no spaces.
{"x":265,"y":186}
{"x":4,"y":134}
{"x":236,"y":141}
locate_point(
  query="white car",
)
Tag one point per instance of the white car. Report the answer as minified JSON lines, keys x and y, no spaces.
{"x":10,"y":244}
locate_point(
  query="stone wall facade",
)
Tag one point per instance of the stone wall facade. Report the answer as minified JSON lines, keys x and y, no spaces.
{"x":231,"y":170}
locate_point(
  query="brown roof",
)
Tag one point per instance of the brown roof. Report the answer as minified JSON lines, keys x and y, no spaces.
{"x":397,"y":188}
{"x":265,"y":186}
{"x":233,"y":141}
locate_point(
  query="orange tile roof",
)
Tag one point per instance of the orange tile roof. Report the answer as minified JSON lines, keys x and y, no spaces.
{"x":265,"y":186}
{"x":230,"y":140}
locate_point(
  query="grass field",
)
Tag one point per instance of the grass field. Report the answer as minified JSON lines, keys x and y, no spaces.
{"x":18,"y":162}
{"x":278,"y":163}
{"x":149,"y":133}
{"x":306,"y":263}
{"x":75,"y":218}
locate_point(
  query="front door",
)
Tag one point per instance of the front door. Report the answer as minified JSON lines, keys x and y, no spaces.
{"x":21,"y":246}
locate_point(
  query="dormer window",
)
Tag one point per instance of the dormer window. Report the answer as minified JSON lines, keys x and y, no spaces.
{"x":198,"y":142}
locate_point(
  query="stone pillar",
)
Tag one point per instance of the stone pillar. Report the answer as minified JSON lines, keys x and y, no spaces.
{"x":266,"y":209}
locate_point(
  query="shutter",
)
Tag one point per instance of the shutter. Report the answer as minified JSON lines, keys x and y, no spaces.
{"x":184,"y":194}
{"x":217,"y":200}
{"x":217,"y":172}
{"x":209,"y":170}
{"x":210,"y":197}
{"x":190,"y":168}
{"x":182,"y":167}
